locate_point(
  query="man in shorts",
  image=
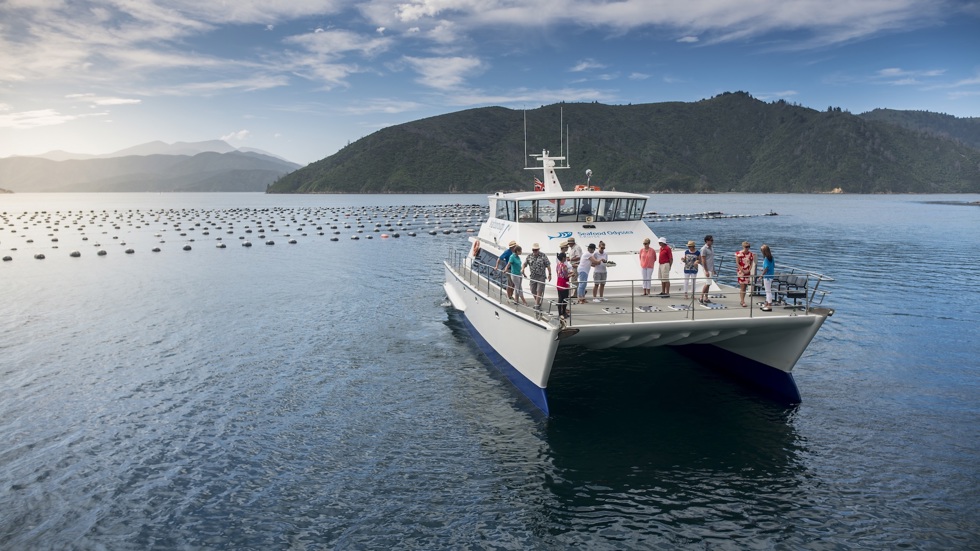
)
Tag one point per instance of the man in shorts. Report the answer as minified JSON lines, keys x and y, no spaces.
{"x":708,"y":261}
{"x":538,"y":265}
{"x":666,"y":259}
{"x":599,"y":259}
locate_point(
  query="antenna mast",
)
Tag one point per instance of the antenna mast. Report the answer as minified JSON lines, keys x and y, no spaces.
{"x":561,"y":135}
{"x":525,"y":137}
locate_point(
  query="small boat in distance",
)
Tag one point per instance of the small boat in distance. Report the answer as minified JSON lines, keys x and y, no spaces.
{"x":760,"y":347}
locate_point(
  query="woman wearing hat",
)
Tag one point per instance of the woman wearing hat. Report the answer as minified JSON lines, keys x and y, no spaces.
{"x":692,"y":257}
{"x":648,"y":257}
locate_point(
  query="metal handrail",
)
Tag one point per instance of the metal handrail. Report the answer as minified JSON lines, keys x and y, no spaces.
{"x":488,"y":280}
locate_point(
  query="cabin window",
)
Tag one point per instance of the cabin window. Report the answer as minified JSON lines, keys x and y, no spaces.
{"x":527,"y":211}
{"x":506,"y":210}
{"x":635,"y":208}
{"x":547,"y":210}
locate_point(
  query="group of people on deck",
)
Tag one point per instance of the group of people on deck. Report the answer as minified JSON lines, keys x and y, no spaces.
{"x":745,"y":265}
{"x":573,"y":268}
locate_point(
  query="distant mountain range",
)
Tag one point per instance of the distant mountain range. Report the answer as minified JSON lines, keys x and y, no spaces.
{"x":156,"y":166}
{"x":732,"y":142}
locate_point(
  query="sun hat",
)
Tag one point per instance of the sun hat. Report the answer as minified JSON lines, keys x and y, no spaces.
{"x":662,"y":240}
{"x":571,"y":239}
{"x":563,"y":244}
{"x":692,"y":244}
{"x":512,"y":243}
{"x":535,"y":246}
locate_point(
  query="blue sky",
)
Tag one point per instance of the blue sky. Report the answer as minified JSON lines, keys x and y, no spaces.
{"x":303,"y":78}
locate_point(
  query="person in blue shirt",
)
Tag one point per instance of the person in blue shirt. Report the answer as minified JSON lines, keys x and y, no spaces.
{"x":768,"y":272}
{"x":514,"y":262}
{"x":502,"y":264}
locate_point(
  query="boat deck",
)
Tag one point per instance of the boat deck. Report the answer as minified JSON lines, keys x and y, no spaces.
{"x":625,"y":303}
{"x":619,"y":307}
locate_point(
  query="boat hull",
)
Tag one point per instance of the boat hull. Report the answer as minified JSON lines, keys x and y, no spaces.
{"x":759,"y":350}
{"x":518,"y":345}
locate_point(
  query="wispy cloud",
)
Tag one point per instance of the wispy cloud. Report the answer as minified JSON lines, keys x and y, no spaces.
{"x":586,"y":65}
{"x":381,"y":105}
{"x":444,"y":73}
{"x":520,"y":97}
{"x":768,"y":96}
{"x":102,"y":100}
{"x":238,"y":136}
{"x":39,"y":117}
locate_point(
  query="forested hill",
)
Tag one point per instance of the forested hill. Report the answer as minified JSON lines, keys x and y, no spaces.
{"x":731,"y":142}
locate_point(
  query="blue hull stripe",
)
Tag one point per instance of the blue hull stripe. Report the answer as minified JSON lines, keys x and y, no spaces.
{"x":776,"y":384}
{"x":533,"y":392}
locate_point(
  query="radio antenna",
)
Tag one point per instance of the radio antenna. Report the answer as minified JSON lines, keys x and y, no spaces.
{"x":525,"y":137}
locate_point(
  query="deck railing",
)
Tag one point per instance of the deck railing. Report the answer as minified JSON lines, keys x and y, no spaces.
{"x":795,"y":289}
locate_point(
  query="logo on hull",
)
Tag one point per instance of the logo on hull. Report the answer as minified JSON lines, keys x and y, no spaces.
{"x":561,"y":235}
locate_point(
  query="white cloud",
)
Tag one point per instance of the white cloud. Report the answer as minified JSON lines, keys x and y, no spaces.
{"x":638,"y":76}
{"x":444,"y":73}
{"x":101,"y":100}
{"x":238,"y":136}
{"x":585,"y":65}
{"x":386,"y":106}
{"x":904,"y":77}
{"x":523,"y":97}
{"x":39,"y":117}
{"x":768,"y":96}
{"x":688,"y":39}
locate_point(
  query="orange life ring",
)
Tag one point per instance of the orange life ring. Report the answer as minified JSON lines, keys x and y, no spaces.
{"x":476,"y":248}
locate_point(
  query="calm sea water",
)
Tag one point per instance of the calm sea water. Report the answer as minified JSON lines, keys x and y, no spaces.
{"x":319,"y":395}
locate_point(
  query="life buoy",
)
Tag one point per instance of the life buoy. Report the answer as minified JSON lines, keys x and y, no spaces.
{"x":476,"y":248}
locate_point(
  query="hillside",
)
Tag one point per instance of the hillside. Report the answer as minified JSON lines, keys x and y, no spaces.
{"x":731,"y":142}
{"x":207,"y":171}
{"x":966,"y":131}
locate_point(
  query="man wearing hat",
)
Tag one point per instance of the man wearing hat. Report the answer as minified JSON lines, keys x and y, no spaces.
{"x":574,"y":257}
{"x":692,"y":258}
{"x":648,"y":257}
{"x":502,"y":263}
{"x":538,"y":265}
{"x":666,"y":259}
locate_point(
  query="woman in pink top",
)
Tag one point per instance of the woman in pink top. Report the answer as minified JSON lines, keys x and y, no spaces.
{"x":648,"y":257}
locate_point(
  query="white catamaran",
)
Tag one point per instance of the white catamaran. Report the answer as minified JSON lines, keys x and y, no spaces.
{"x":758,"y":346}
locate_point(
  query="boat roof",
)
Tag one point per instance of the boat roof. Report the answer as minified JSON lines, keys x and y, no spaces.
{"x":568,"y":194}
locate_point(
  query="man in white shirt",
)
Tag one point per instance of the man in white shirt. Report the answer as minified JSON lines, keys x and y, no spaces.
{"x":708,"y":261}
{"x":583,"y":272}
